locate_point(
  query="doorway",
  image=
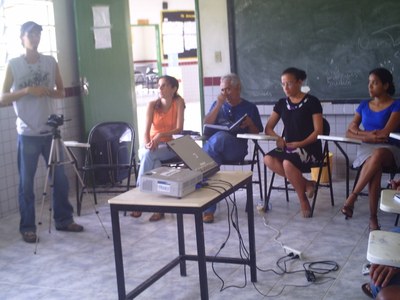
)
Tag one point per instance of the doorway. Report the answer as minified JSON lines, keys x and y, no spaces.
{"x":150,"y":61}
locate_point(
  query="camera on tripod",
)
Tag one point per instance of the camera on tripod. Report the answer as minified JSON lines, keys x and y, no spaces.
{"x":55,"y":120}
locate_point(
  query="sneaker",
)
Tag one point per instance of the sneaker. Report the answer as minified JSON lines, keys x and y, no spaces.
{"x":208,"y":217}
{"x":29,"y":236}
{"x":72,"y":227}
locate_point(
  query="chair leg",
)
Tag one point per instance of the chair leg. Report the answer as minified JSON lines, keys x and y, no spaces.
{"x":396,"y":223}
{"x":330,"y":180}
{"x":286,"y":189}
{"x":268,"y":197}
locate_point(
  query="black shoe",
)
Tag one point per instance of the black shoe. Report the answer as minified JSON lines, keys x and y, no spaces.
{"x":72,"y":227}
{"x":29,"y":236}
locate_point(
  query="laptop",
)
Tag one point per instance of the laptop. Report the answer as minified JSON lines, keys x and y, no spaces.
{"x":194,"y":157}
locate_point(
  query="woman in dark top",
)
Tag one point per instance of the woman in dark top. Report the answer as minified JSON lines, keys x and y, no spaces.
{"x":301,"y":115}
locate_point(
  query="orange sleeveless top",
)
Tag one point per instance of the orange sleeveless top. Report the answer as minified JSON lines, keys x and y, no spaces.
{"x":164,"y":121}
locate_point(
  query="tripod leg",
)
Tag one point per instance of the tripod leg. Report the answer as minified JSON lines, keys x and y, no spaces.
{"x":49,"y":173}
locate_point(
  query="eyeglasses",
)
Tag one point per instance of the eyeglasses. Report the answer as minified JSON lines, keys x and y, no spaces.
{"x":288,"y":84}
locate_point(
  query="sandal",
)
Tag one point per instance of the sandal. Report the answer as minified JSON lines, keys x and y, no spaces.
{"x":156,"y":217}
{"x":347,"y":210}
{"x":366,"y":288}
{"x":136,"y":214}
{"x":373,"y":224}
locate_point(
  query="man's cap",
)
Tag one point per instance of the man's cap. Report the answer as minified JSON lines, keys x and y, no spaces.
{"x":29,"y":26}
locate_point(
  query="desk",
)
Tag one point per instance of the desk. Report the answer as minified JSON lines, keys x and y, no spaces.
{"x":384,"y":248}
{"x":388,"y":204}
{"x":255,"y":137}
{"x":194,"y":203}
{"x":70,"y":145}
{"x":337,"y":140}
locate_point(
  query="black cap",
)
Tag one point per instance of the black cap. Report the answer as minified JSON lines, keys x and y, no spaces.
{"x":29,"y":26}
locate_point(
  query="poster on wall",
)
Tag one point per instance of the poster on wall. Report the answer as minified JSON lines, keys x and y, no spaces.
{"x":179,"y":36}
{"x":101,"y":27}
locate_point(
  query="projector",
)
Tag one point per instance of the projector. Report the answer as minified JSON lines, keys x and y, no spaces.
{"x":168,"y":181}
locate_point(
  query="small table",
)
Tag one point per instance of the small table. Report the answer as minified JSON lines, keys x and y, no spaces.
{"x":384,"y":248}
{"x":255,"y":137}
{"x":70,"y":145}
{"x":337,"y":140}
{"x":194,"y":203}
{"x":388,"y":204}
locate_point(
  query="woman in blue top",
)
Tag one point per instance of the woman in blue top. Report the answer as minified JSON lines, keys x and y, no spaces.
{"x":378,"y":117}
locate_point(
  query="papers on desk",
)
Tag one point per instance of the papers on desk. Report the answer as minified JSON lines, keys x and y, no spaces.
{"x":396,"y":197}
{"x":338,"y":139}
{"x":394,"y":135}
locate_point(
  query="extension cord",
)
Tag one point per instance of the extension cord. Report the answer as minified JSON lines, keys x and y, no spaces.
{"x":294,"y":251}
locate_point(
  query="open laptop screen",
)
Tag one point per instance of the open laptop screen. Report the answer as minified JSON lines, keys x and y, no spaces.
{"x":194,"y":157}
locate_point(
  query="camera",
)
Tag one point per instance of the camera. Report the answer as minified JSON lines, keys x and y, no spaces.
{"x":55,"y":120}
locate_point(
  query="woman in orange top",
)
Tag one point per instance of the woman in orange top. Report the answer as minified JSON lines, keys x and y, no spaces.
{"x":164,"y":117}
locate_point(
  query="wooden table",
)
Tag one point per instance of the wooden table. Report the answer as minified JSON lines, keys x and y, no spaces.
{"x":194,"y":203}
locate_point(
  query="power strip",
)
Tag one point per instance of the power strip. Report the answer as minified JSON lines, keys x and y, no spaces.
{"x":294,"y":251}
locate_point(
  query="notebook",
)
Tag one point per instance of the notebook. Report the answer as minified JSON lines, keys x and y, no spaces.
{"x":194,"y":157}
{"x":210,"y":129}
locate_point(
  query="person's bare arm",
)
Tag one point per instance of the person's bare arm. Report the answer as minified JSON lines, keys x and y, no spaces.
{"x":211,"y":117}
{"x":270,"y":129}
{"x":381,"y":274}
{"x":318,"y":125}
{"x":7,"y":97}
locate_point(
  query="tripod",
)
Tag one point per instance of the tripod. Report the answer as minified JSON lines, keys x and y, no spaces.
{"x":55,"y":160}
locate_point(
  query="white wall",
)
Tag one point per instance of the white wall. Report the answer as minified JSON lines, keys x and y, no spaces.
{"x":214,"y":37}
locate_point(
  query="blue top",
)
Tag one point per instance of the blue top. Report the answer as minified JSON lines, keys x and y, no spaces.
{"x":376,"y":120}
{"x":228,"y":114}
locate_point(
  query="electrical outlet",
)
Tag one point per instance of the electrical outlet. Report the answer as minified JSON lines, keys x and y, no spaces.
{"x":294,"y":251}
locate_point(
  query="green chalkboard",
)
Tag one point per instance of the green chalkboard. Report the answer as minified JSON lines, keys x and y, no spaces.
{"x":337,"y":42}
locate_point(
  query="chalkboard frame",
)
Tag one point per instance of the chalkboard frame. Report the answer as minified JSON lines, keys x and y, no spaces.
{"x":342,"y":94}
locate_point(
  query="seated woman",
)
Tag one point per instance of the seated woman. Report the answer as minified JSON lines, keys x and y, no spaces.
{"x":302,"y":119}
{"x":164,"y":117}
{"x":378,"y":116}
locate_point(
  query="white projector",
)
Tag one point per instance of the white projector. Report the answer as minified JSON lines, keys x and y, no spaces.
{"x":170,"y":181}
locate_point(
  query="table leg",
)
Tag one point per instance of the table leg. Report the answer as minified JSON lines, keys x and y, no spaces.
{"x":119,"y":264}
{"x":347,"y":168}
{"x":181,"y":243}
{"x":201,"y":255}
{"x":252,"y":240}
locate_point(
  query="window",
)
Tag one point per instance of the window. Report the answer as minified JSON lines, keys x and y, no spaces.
{"x":13,"y":13}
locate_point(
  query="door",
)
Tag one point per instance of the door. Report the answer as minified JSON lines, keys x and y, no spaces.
{"x":105,"y":62}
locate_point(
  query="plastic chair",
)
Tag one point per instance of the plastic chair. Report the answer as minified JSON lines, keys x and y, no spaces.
{"x":320,"y":164}
{"x":110,"y":159}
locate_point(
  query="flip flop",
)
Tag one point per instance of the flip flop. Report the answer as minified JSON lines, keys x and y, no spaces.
{"x":136,"y":214}
{"x":366,"y":288}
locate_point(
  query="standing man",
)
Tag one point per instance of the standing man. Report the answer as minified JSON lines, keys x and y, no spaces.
{"x":226,"y":110}
{"x":31,"y":84}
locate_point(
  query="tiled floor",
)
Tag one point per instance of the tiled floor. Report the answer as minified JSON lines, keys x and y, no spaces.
{"x":81,"y":265}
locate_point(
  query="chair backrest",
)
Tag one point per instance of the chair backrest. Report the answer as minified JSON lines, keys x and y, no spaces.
{"x":112,"y":145}
{"x":326,"y":128}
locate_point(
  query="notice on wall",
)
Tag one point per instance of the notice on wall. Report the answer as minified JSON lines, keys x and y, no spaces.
{"x":101,"y":27}
{"x":179,"y":34}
